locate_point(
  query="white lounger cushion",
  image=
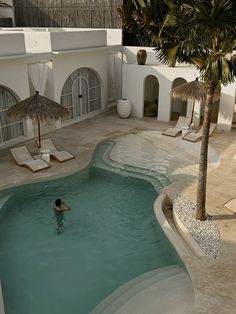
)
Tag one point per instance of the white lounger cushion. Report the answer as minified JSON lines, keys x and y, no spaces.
{"x":194,"y":137}
{"x":23,"y":158}
{"x":182,"y":124}
{"x":231,"y":205}
{"x":60,"y":155}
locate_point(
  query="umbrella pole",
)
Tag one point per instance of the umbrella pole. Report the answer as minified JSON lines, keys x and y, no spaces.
{"x":39,"y":132}
{"x":192,"y":112}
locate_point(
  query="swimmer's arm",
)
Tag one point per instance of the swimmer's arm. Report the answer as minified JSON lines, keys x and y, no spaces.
{"x":65,"y":207}
{"x":61,"y":209}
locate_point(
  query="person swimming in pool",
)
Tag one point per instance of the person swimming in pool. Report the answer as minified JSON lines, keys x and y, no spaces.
{"x":59,"y":208}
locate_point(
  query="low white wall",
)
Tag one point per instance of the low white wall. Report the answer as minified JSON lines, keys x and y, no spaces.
{"x":77,"y":40}
{"x":183,"y":251}
{"x":226,"y":108}
{"x":187,"y":236}
{"x":114,"y":37}
{"x":37,"y":42}
{"x":12,"y":44}
{"x":130,"y":55}
{"x":14,"y":75}
{"x":133,"y":86}
{"x":58,"y":39}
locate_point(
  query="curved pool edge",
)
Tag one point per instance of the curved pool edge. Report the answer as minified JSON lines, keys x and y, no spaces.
{"x":181,"y":248}
{"x":185,"y":251}
{"x":57,"y":176}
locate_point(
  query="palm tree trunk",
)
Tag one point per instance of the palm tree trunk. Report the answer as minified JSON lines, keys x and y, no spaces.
{"x":202,"y":176}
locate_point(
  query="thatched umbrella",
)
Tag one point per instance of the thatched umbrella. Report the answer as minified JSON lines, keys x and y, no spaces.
{"x":195,"y":91}
{"x":38,"y":108}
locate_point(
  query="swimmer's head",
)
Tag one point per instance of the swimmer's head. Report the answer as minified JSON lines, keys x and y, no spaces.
{"x":58,"y":202}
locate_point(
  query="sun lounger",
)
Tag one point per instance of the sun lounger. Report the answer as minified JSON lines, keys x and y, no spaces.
{"x":196,"y":136}
{"x":182,"y":124}
{"x":59,"y":155}
{"x":23,"y":158}
{"x":231,"y":205}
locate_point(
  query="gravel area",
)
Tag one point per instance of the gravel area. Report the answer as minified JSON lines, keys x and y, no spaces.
{"x":205,"y":233}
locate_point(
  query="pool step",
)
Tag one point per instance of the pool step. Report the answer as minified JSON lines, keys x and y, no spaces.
{"x":123,"y":296}
{"x":4,"y":199}
{"x":173,"y":295}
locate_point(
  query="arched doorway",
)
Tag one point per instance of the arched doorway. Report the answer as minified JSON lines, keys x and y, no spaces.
{"x":151,"y":96}
{"x":81,"y":93}
{"x":178,"y":107}
{"x":9,"y":129}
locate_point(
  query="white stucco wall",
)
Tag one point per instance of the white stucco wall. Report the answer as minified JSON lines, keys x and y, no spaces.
{"x":114,"y":37}
{"x":12,"y":44}
{"x":226,"y":108}
{"x":37,"y":42}
{"x":62,"y":47}
{"x":133,"y":85}
{"x":78,"y":40}
{"x":65,"y":64}
{"x":130,"y":55}
{"x":14,"y":76}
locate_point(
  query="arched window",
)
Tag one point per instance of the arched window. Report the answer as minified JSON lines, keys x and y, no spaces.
{"x":81,"y":93}
{"x":9,"y":129}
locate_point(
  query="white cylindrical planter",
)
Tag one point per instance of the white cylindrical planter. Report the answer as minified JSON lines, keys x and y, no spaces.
{"x":124,"y":108}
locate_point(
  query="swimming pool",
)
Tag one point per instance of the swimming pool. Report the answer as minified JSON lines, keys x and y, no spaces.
{"x":110,"y":237}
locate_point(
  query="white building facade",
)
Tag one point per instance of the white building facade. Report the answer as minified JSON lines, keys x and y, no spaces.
{"x":81,"y":69}
{"x":87,"y":71}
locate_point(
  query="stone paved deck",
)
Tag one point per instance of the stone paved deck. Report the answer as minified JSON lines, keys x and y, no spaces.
{"x":213,"y":279}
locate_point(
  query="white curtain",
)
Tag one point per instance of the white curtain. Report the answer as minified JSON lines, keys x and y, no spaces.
{"x":38,"y":74}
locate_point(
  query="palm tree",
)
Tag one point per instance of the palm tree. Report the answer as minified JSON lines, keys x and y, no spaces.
{"x":207,"y":30}
{"x":199,"y":32}
{"x":143,"y":19}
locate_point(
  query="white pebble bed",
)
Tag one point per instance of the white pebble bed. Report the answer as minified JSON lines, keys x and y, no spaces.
{"x":205,"y":233}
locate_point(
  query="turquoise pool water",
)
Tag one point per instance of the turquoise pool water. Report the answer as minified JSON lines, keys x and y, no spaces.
{"x":110,"y":237}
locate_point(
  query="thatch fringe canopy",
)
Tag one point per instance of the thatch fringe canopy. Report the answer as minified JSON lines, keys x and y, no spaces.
{"x":194,"y":90}
{"x":37,"y":107}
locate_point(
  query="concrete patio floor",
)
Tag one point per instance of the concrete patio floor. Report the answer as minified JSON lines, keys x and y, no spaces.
{"x":213,"y":279}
